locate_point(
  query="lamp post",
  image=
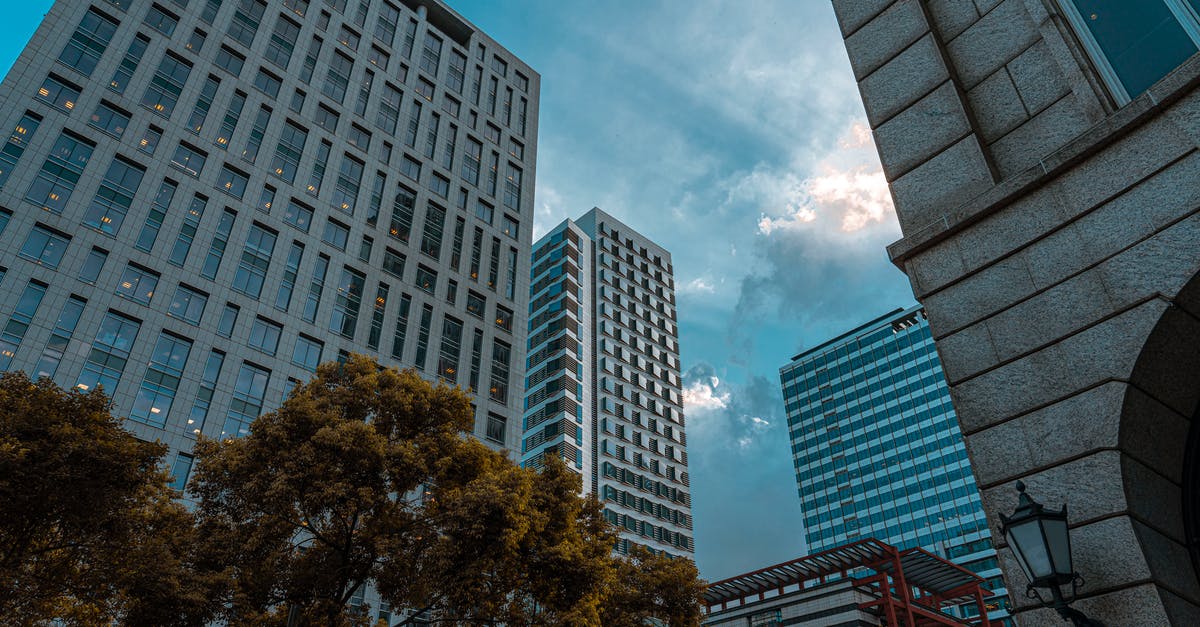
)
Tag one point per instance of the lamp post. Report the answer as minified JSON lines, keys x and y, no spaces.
{"x":1041,"y":542}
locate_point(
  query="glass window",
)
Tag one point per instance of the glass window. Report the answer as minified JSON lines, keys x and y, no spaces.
{"x":359,"y":137}
{"x":283,"y":297}
{"x":255,"y":260}
{"x":230,"y":61}
{"x":450,"y":349}
{"x":312,"y":301}
{"x":93,"y":265}
{"x":431,"y":53}
{"x":389,"y":109}
{"x":216,"y":249}
{"x":347,"y":302}
{"x":326,"y":118}
{"x":504,"y":318}
{"x":317,"y":177}
{"x":247,"y":404}
{"x":245,"y":21}
{"x":228,"y":320}
{"x":150,"y":140}
{"x":163,"y":93}
{"x":476,"y":304}
{"x":298,"y":215}
{"x":58,"y":93}
{"x":484,"y":211}
{"x":60,"y":337}
{"x":157,"y":393}
{"x":512,"y":188}
{"x":180,"y":471}
{"x":431,"y":239}
{"x":510,"y":227}
{"x":112,"y":201}
{"x":88,"y":43}
{"x":204,"y":102}
{"x":189,"y":159}
{"x":109,"y":119}
{"x":348,"y":38}
{"x":11,"y":153}
{"x":380,"y":306}
{"x":337,"y":80}
{"x":288,"y":151}
{"x":160,"y":20}
{"x":129,"y":63}
{"x":411,"y":168}
{"x":472,"y":162}
{"x":188,"y":304}
{"x":426,"y":279}
{"x":264,"y":335}
{"x":282,"y":43}
{"x":501,"y":354}
{"x":402,"y":214}
{"x":232,"y":182}
{"x":110,"y":352}
{"x":336,"y":234}
{"x":187,"y":231}
{"x":18,"y":324}
{"x":307,"y":353}
{"x":439,"y":185}
{"x":195,"y":42}
{"x":230,"y":120}
{"x":137,"y":284}
{"x":257,"y":131}
{"x":393,"y":263}
{"x":45,"y":246}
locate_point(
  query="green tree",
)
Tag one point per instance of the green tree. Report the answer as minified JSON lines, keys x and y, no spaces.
{"x":89,"y":531}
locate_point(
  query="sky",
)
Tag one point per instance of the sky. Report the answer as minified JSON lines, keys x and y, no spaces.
{"x":732,"y":134}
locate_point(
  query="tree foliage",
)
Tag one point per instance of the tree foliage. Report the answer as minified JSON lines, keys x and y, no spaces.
{"x":89,"y":531}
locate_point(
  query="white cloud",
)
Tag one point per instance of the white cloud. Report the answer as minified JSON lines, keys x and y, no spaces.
{"x":702,"y":395}
{"x":697,"y":286}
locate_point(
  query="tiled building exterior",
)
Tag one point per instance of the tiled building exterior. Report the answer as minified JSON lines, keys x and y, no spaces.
{"x":1042,"y":155}
{"x":603,"y":385}
{"x":878,"y":451}
{"x":202,"y":200}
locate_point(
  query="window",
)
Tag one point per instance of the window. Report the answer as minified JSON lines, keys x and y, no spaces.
{"x":297,"y":103}
{"x":393,"y":263}
{"x":348,"y":38}
{"x":299,"y":7}
{"x":129,"y":63}
{"x":137,"y":284}
{"x":110,"y":352}
{"x":457,"y":244}
{"x":11,"y":153}
{"x":403,"y":210}
{"x":112,"y":201}
{"x":451,"y":292}
{"x":389,"y":109}
{"x":58,"y":93}
{"x":522,"y":82}
{"x":216,"y":249}
{"x":476,"y":253}
{"x":515,"y":148}
{"x":257,"y":131}
{"x":476,"y":359}
{"x":414,"y":123}
{"x":208,"y":384}
{"x":385,"y":26}
{"x":109,"y":119}
{"x":230,"y":121}
{"x":156,"y":215}
{"x":504,"y":318}
{"x":228,"y":320}
{"x":457,"y":71}
{"x":232,"y":182}
{"x":189,"y":159}
{"x":307,"y":353}
{"x":484,"y":211}
{"x":187,"y":231}
{"x":496,"y":428}
{"x":1135,"y":43}
{"x":336,"y":234}
{"x":268,"y":83}
{"x":500,"y":66}
{"x":471,"y":161}
{"x":310,"y":60}
{"x":163,"y":93}
{"x":264,"y":335}
{"x":401,"y":326}
{"x":431,"y":239}
{"x":450,"y":349}
{"x":494,"y":268}
{"x":298,"y":215}
{"x":326,"y":118}
{"x":378,"y":57}
{"x":364,"y":249}
{"x":160,"y":20}
{"x":376,"y":331}
{"x":411,"y":168}
{"x":425,"y":89}
{"x":423,"y":335}
{"x":451,"y":106}
{"x":476,"y":304}
{"x":492,"y":133}
{"x":288,"y":151}
{"x":60,"y":337}
{"x":501,"y":354}
{"x":317,"y":177}
{"x":245,"y":21}
{"x":256,"y":258}
{"x":345,"y":192}
{"x":45,"y":246}
{"x":266,"y":199}
{"x":347,"y":301}
{"x":203,"y":104}
{"x":196,"y":40}
{"x":337,"y":80}
{"x":150,"y":140}
{"x":283,"y":297}
{"x":88,"y":43}
{"x":188,"y":304}
{"x":359,"y":137}
{"x":230,"y":61}
{"x":282,"y":43}
{"x":157,"y":393}
{"x":512,"y":188}
{"x":18,"y":324}
{"x":439,"y":185}
{"x":410,"y":36}
{"x":180,"y":471}
{"x":312,"y":301}
{"x":426,"y":279}
{"x":93,"y":264}
{"x":247,"y":403}
{"x":509,"y":226}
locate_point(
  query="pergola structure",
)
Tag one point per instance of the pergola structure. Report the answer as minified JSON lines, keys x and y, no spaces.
{"x":907,"y":588}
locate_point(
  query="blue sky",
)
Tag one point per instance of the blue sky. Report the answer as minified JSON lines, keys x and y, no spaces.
{"x":732,"y":134}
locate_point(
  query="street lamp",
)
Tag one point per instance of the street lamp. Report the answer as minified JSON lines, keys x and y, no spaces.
{"x":1041,"y":542}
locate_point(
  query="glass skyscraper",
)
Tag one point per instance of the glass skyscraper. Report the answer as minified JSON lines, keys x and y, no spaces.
{"x":877,"y":447}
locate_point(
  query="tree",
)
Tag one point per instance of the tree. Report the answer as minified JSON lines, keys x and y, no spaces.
{"x":363,"y":476}
{"x":653,"y":586}
{"x":89,"y":531}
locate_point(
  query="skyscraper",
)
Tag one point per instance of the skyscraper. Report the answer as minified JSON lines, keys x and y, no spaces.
{"x":202,"y":201}
{"x":877,"y":447}
{"x":603,"y":384}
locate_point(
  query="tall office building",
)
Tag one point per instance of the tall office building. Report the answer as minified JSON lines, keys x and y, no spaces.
{"x":603,"y":384}
{"x":878,"y":451}
{"x":202,"y":201}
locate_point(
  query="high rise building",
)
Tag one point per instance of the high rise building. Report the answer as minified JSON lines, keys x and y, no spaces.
{"x":202,"y":201}
{"x":1042,"y":155}
{"x":878,"y":451}
{"x":603,"y":384}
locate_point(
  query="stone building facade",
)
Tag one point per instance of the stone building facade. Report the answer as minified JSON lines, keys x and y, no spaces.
{"x":1042,"y":155}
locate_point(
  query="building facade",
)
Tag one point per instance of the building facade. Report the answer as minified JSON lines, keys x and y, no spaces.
{"x":878,"y":451}
{"x":202,"y":201}
{"x":603,"y":385}
{"x":1042,"y":155}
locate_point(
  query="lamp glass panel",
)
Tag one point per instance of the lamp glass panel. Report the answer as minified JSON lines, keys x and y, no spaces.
{"x":1057,"y":536}
{"x":1027,"y":541}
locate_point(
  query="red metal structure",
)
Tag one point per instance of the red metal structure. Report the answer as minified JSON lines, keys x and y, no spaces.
{"x":909,"y":588}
